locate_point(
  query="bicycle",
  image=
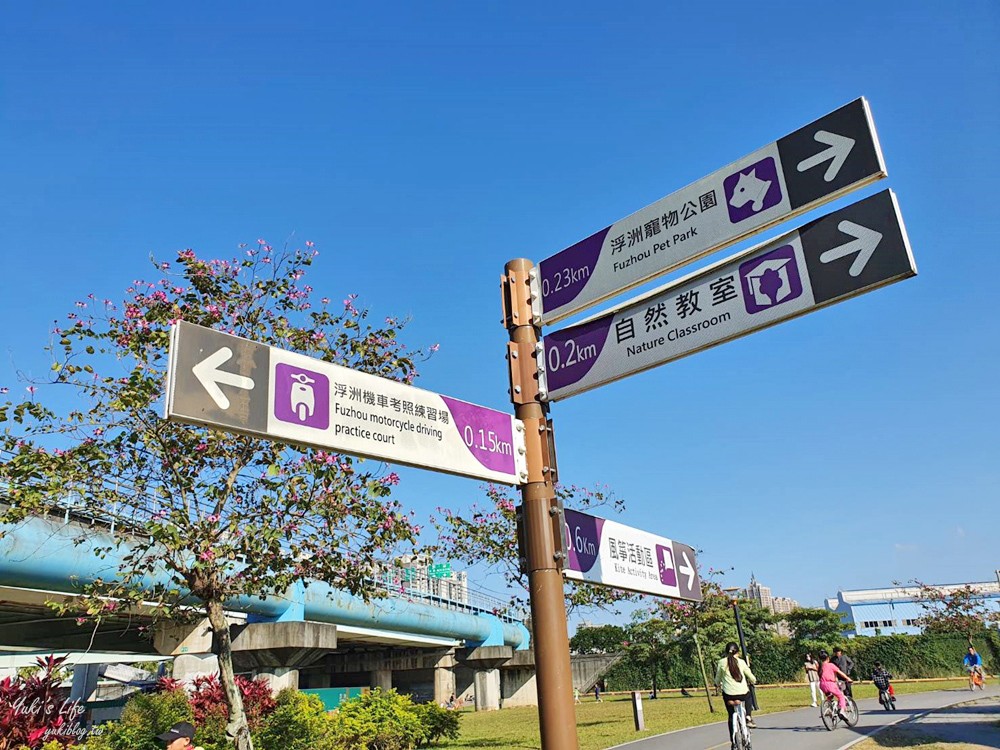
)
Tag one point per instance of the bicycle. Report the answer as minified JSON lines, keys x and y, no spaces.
{"x":829,"y":712}
{"x":741,"y":732}
{"x":976,"y":679}
{"x":886,"y":699}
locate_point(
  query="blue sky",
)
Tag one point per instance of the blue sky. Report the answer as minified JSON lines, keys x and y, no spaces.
{"x":423,"y":145}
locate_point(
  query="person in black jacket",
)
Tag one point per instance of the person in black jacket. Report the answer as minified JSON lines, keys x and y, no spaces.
{"x":846,"y":665}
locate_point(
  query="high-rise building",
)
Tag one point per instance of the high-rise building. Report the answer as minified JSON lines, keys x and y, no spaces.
{"x":762,"y":595}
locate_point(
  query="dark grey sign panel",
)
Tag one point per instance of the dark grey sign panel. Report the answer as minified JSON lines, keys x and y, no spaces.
{"x":829,"y":157}
{"x":841,"y":255}
{"x":218,"y":380}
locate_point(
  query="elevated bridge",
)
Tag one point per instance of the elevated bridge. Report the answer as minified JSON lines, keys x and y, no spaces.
{"x":310,"y":636}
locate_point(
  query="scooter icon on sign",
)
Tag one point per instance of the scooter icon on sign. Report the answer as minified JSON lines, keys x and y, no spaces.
{"x":302,"y":396}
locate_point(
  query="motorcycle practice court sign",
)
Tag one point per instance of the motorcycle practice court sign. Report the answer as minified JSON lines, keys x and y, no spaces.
{"x":222,"y":381}
{"x":828,"y":158}
{"x":612,"y":554}
{"x":844,"y":254}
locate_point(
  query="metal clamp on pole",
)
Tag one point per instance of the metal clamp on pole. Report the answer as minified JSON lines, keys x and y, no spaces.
{"x":523,"y":380}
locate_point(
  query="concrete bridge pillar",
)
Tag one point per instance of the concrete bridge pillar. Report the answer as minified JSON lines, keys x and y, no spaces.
{"x":486,"y":661}
{"x":279,"y":678}
{"x":487,"y":689}
{"x":84,"y":682}
{"x":189,"y":666}
{"x":381,"y":678}
{"x":444,"y":684}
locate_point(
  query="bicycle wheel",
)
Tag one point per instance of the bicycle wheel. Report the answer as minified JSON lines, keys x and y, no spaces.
{"x":851,"y":713}
{"x":828,"y":712}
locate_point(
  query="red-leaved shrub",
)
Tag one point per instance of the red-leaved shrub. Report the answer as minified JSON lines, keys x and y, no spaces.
{"x":208,"y":702}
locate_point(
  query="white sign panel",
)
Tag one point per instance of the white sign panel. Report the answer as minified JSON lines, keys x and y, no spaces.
{"x":829,"y":157}
{"x":612,"y":554}
{"x":218,"y":380}
{"x":841,"y":255}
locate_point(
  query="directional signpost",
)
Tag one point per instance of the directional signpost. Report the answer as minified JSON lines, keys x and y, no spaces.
{"x":815,"y":164}
{"x":841,"y":255}
{"x":612,"y":554}
{"x":223,"y":381}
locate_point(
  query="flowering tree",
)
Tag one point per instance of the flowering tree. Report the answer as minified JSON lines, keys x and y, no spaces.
{"x":486,"y":534}
{"x":220,"y":514}
{"x":960,"y":610}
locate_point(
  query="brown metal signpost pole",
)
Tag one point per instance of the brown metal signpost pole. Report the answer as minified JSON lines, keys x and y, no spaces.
{"x":540,"y":520}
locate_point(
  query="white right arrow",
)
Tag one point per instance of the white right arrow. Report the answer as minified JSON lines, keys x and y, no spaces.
{"x":687,"y":569}
{"x":864,"y":243}
{"x":209,"y":375}
{"x":840,"y":148}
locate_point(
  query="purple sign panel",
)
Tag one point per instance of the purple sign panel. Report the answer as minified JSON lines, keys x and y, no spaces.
{"x":565,"y":274}
{"x":571,"y":353}
{"x":301,"y":396}
{"x":665,"y":562}
{"x":583,"y":540}
{"x":770,"y":279}
{"x":486,"y":433}
{"x":752,"y":190}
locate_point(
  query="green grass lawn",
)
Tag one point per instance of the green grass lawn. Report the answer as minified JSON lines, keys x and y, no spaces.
{"x":603,"y":725}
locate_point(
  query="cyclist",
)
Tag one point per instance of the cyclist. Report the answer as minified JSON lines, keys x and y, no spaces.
{"x":973,"y":664}
{"x":828,"y":675}
{"x":733,"y":677}
{"x":881,"y":679}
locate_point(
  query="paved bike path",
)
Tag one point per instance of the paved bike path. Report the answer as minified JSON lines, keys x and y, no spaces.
{"x":802,"y":729}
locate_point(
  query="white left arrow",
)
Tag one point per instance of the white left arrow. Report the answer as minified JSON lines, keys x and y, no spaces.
{"x":209,"y":375}
{"x":840,"y":149}
{"x":864,"y":243}
{"x":687,"y":569}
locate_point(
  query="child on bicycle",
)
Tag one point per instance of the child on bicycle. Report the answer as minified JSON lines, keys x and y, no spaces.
{"x":828,"y":675}
{"x":881,"y":679}
{"x":734,"y":678}
{"x":973,"y":664}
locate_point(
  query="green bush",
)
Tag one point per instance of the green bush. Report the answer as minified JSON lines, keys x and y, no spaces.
{"x":379,"y":720}
{"x":298,"y":722}
{"x":438,"y":723}
{"x":917,"y":656}
{"x":143,"y":717}
{"x":772,"y":660}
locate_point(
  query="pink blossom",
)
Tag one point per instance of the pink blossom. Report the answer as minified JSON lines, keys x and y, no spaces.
{"x":310,"y":243}
{"x":213,"y":518}
{"x":435,"y":347}
{"x":208,"y":555}
{"x":261,"y":242}
{"x":391,"y":478}
{"x":202,"y":446}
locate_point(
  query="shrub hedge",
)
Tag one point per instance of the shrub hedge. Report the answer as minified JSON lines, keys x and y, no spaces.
{"x":778,"y":659}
